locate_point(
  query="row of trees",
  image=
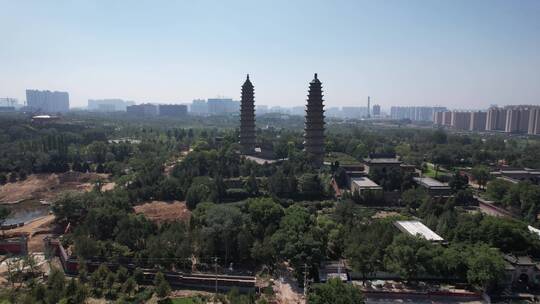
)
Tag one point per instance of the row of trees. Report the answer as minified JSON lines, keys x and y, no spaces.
{"x":523,"y":198}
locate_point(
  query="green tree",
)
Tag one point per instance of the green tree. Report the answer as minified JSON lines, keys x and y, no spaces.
{"x":3,"y":179}
{"x":121,"y":274}
{"x":363,"y":257}
{"x":55,"y":285}
{"x":4,"y":214}
{"x":408,"y":256}
{"x":481,"y":175}
{"x":298,"y":240}
{"x":310,"y":186}
{"x":264,"y":215}
{"x":138,"y":275}
{"x":335,"y":292}
{"x":458,"y":181}
{"x":13,"y":177}
{"x":485,"y":266}
{"x":497,"y":189}
{"x":161,"y":286}
{"x":414,"y":197}
{"x":251,"y":186}
{"x":129,"y":286}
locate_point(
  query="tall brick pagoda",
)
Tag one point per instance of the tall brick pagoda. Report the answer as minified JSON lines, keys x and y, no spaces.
{"x":314,"y":123}
{"x":247,"y":118}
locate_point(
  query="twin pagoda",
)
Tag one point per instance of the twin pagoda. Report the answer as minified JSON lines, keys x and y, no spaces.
{"x":314,"y":121}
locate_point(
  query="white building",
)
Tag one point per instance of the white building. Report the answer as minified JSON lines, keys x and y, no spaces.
{"x":416,"y":228}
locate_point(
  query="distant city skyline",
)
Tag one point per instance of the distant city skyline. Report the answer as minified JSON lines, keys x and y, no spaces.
{"x":458,"y":54}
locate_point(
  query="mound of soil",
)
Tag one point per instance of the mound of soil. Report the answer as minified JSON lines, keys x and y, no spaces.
{"x":160,"y":212}
{"x":47,"y":186}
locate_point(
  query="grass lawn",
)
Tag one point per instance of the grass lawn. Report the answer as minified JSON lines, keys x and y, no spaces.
{"x":344,"y":159}
{"x":431,"y":171}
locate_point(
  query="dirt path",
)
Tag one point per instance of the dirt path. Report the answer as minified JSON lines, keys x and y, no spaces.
{"x":285,"y":293}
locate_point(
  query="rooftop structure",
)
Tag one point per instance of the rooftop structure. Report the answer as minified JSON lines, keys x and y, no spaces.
{"x":314,"y":123}
{"x":362,"y":183}
{"x":416,"y":228}
{"x":534,"y":230}
{"x":333,"y":270}
{"x":518,"y":174}
{"x":433,"y":186}
{"x":44,"y":118}
{"x":429,"y":182}
{"x":247,"y":118}
{"x":382,"y":162}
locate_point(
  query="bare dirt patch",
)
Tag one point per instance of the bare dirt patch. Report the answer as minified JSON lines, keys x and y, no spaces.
{"x":48,"y":186}
{"x":160,"y":212}
{"x":384,"y":214}
{"x":35,"y":231}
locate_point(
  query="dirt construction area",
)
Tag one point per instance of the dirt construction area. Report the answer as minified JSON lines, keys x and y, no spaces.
{"x":35,"y":231}
{"x":49,"y":186}
{"x":160,"y":212}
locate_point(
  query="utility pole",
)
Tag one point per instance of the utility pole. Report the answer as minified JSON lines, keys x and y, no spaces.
{"x":305,"y":279}
{"x":215,"y":272}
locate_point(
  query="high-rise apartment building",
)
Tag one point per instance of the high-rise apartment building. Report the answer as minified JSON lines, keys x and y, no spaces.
{"x":376,"y":110}
{"x":9,"y":102}
{"x":108,"y":105}
{"x":199,"y":107}
{"x":478,"y":121}
{"x":438,"y":118}
{"x":145,"y":109}
{"x":496,"y":119}
{"x":47,"y":101}
{"x":534,"y":121}
{"x":220,"y":106}
{"x":517,"y":119}
{"x":447,"y":118}
{"x":415,"y":113}
{"x":461,"y":120}
{"x":172,"y":110}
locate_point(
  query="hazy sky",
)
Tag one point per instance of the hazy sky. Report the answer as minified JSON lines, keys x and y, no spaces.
{"x":462,"y":54}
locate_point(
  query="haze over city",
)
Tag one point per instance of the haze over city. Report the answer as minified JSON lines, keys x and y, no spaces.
{"x":457,"y":53}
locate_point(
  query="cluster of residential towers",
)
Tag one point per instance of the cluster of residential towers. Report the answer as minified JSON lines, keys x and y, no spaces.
{"x":524,"y":119}
{"x":314,"y":121}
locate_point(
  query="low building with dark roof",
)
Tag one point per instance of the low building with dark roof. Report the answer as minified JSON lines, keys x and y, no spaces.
{"x":362,"y":183}
{"x":521,"y":271}
{"x":433,"y":187}
{"x":516,"y":175}
{"x":382,"y":162}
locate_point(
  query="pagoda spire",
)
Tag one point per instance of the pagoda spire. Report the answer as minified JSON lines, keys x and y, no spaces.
{"x":314,"y":123}
{"x":247,"y":118}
